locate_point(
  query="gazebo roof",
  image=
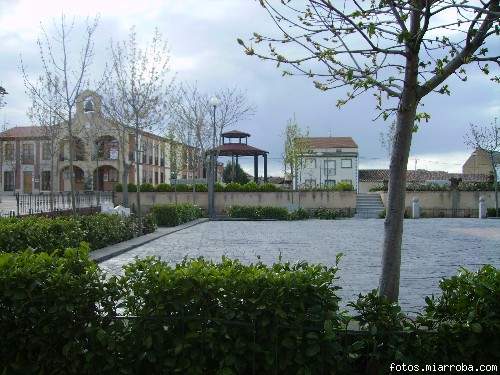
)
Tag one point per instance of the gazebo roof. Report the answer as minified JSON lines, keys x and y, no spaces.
{"x":238,"y":149}
{"x":235,"y":134}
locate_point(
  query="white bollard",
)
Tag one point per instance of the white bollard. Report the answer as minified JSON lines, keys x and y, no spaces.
{"x":415,"y":208}
{"x":482,"y":208}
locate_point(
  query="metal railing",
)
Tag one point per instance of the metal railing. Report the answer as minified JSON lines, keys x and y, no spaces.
{"x":447,"y":212}
{"x":27,"y":204}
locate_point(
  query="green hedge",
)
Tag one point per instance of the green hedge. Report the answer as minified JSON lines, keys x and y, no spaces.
{"x":258,"y":212}
{"x":170,"y":215}
{"x":58,"y":315}
{"x":492,"y":212}
{"x":50,"y":234}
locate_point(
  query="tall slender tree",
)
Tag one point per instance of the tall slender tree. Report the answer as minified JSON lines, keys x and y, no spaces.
{"x":295,"y":148}
{"x":44,"y":113}
{"x":66,"y":75}
{"x":136,"y":91}
{"x":401,"y":50}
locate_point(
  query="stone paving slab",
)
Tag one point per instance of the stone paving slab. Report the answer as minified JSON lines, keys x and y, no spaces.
{"x":432,"y":249}
{"x":109,"y":252}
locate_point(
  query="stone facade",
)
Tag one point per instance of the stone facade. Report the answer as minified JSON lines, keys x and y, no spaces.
{"x":102,"y":151}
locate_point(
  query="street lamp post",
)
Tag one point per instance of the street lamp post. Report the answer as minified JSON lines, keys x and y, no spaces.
{"x":214,"y":102}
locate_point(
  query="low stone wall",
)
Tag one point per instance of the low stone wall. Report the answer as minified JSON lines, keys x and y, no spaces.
{"x":447,"y":200}
{"x":223,"y":200}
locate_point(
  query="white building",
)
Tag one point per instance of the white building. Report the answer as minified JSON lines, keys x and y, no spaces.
{"x":328,"y":161}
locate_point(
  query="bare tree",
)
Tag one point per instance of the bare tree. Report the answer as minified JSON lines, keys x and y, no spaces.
{"x":295,"y":148}
{"x":45,"y":113}
{"x":68,"y":78}
{"x":402,"y":50}
{"x":3,"y":92}
{"x":387,"y":138}
{"x":487,"y":139}
{"x":136,"y":90}
{"x":233,"y":107}
{"x":190,"y":122}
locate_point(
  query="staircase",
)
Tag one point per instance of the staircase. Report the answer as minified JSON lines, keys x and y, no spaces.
{"x":369,"y":206}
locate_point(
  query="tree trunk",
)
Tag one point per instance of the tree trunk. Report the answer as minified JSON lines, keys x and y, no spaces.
{"x":393,"y":226}
{"x":71,"y":170}
{"x":125,"y":185}
{"x":138,"y":163}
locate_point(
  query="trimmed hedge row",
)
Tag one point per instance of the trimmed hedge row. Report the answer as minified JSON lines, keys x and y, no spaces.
{"x":170,"y":215}
{"x":462,"y":186}
{"x":60,"y":315}
{"x":230,"y":187}
{"x":51,"y":234}
{"x":281,"y":213}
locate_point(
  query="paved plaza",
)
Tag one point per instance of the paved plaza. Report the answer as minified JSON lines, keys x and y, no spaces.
{"x":432,"y":249}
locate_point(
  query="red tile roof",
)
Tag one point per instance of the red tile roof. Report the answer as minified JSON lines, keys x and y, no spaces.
{"x":23,"y":132}
{"x":330,"y":142}
{"x":379,"y":175}
{"x":242,"y":149}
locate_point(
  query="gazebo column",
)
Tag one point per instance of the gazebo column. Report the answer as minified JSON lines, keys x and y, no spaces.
{"x":265,"y":167}
{"x":256,"y":168}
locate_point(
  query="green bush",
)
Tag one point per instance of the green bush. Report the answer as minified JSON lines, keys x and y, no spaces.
{"x":268,"y":187}
{"x":170,"y":215}
{"x":201,"y":187}
{"x":233,"y":187}
{"x":58,"y":315}
{"x":132,"y":188}
{"x":164,"y":188}
{"x":118,"y":188}
{"x":249,"y":187}
{"x":219,"y":187}
{"x":53,"y":314}
{"x":344,"y":186}
{"x":466,"y":315}
{"x":147,"y":188}
{"x":258,"y":212}
{"x":183,"y":188}
{"x":299,"y":214}
{"x":324,"y":213}
{"x":55,"y":234}
{"x":491,"y":212}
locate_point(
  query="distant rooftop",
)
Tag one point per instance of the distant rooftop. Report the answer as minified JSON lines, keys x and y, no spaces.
{"x":420,"y":175}
{"x":235,"y":134}
{"x":330,"y":142}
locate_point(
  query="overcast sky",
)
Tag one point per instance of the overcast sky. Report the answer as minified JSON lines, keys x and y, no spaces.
{"x":202,"y":37}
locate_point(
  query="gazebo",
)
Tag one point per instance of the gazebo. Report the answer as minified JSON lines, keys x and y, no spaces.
{"x":241,"y":148}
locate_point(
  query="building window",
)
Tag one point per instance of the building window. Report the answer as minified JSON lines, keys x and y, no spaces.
{"x":156,"y":178}
{"x":346,"y":163}
{"x":9,"y":151}
{"x":310,"y":183}
{"x":330,"y":183}
{"x":310,"y":163}
{"x":330,"y":168}
{"x":45,"y":180}
{"x":162,"y":178}
{"x":28,"y":154}
{"x":8,"y":181}
{"x":46,"y":151}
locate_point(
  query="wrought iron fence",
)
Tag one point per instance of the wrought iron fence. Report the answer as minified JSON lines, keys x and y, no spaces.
{"x":27,"y":204}
{"x":448,"y":212}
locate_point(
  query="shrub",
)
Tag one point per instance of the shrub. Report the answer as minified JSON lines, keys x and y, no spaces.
{"x":491,"y":212}
{"x":324,"y":213}
{"x":466,"y":315}
{"x":183,"y":188}
{"x":249,"y":187}
{"x":55,"y":234}
{"x":344,"y":186}
{"x":171,"y":215}
{"x":164,"y":188}
{"x":132,"y":188}
{"x":219,"y":187}
{"x":118,"y":188}
{"x":147,"y":188}
{"x":268,"y":187}
{"x":258,"y":212}
{"x":234,"y":173}
{"x":298,"y":214}
{"x":233,"y":186}
{"x":201,"y":187}
{"x":52,"y":314}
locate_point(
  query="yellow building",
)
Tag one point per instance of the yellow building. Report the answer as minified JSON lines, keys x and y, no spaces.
{"x":100,"y":150}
